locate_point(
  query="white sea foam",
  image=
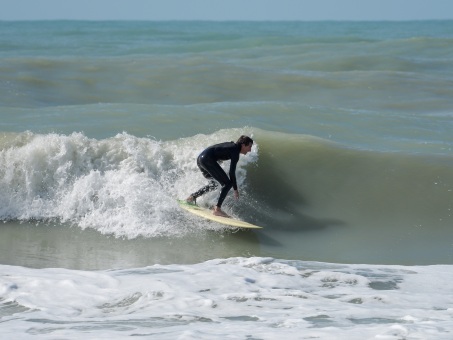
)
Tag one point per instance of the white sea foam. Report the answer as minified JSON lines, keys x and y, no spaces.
{"x":257,"y":298}
{"x":126,"y":186}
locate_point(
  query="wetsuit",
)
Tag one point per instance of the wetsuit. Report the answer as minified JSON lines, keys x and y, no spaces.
{"x":207,"y":161}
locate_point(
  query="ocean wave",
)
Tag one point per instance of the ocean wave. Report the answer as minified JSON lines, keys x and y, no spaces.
{"x":291,"y":184}
{"x":126,"y":186}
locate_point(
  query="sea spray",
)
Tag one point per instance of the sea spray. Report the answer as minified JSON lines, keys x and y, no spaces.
{"x":124,"y":185}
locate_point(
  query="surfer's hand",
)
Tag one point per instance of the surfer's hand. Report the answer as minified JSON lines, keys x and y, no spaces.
{"x":236,"y":194}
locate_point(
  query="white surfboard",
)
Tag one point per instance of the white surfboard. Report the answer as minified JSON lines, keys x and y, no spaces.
{"x":205,"y":213}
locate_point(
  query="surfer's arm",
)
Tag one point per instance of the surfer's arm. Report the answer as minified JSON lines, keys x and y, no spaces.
{"x":232,"y":173}
{"x":233,"y":179}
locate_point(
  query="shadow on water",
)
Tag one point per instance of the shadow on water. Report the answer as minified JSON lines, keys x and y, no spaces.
{"x":281,"y":204}
{"x":332,"y":205}
{"x":58,"y":245}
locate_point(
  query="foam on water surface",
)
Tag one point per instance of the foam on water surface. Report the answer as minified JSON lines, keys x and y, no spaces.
{"x":124,"y":185}
{"x":242,"y":297}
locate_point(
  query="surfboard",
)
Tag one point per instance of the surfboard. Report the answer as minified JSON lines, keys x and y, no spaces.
{"x":207,"y":214}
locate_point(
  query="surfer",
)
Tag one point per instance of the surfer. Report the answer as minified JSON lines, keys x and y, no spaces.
{"x":208,"y":160}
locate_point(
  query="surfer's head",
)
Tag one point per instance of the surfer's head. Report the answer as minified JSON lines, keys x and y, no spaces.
{"x":246,"y":144}
{"x":244,"y":140}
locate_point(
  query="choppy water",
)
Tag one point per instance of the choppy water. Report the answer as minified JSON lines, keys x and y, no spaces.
{"x":101,"y":123}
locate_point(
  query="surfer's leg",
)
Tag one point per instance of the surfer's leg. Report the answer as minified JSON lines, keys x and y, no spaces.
{"x":225,"y":189}
{"x":216,"y":172}
{"x":211,"y":169}
{"x":210,"y":187}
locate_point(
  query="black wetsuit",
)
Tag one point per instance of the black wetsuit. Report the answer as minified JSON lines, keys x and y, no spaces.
{"x":207,"y":161}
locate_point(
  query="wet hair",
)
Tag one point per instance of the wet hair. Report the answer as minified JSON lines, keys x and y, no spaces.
{"x":245,"y":140}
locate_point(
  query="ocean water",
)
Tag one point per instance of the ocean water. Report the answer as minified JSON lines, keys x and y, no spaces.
{"x":351,"y":177}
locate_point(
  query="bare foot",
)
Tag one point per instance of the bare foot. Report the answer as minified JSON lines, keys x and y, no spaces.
{"x":191,"y":200}
{"x":219,"y":212}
